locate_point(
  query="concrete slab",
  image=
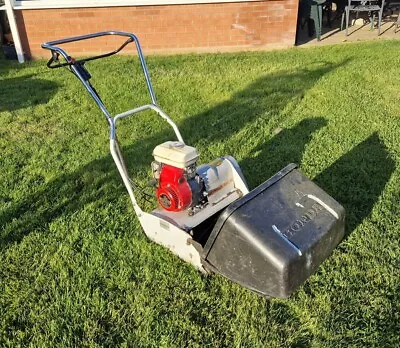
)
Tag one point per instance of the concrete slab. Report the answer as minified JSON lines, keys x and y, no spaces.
{"x":360,"y":31}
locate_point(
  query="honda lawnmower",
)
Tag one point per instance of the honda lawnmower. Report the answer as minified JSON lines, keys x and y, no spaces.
{"x":269,"y":240}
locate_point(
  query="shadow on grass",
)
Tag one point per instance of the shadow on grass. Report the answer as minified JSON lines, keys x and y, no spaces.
{"x":357,"y":179}
{"x":25,"y":91}
{"x":99,"y":180}
{"x":263,"y":99}
{"x":286,"y":147}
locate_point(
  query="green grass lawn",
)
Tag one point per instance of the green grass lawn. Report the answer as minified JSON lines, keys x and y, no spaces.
{"x":75,"y":267}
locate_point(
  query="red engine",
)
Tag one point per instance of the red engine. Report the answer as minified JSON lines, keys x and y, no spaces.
{"x":174,"y":192}
{"x":178,"y":184}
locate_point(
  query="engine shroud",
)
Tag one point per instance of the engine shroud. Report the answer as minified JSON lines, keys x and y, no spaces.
{"x":173,"y":192}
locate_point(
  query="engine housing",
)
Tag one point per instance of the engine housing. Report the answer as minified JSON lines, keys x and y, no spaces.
{"x":173,"y":192}
{"x":180,"y":185}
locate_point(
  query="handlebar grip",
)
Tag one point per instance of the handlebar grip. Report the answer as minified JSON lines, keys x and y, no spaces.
{"x":54,"y":58}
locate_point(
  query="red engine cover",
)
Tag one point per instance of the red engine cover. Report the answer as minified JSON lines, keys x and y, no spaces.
{"x":173,"y":192}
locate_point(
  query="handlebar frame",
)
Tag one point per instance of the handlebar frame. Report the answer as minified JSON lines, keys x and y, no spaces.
{"x":78,"y":69}
{"x":55,"y":56}
{"x":76,"y":65}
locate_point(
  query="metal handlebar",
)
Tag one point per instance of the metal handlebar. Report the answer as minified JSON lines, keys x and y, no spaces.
{"x":55,"y":55}
{"x":86,"y":37}
{"x":56,"y":51}
{"x":77,"y":68}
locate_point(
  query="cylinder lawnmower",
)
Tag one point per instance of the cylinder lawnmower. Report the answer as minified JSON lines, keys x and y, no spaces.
{"x":269,"y":240}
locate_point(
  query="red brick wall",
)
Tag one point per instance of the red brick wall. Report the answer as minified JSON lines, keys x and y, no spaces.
{"x":166,"y":29}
